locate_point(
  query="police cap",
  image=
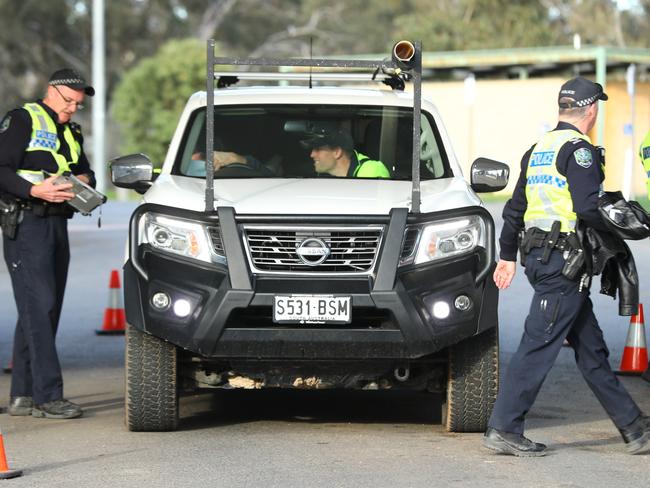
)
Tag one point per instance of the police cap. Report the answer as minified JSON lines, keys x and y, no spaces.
{"x":70,"y":78}
{"x":581,"y":92}
{"x":329,"y":137}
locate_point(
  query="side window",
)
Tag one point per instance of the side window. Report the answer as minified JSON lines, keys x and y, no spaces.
{"x":192,"y":159}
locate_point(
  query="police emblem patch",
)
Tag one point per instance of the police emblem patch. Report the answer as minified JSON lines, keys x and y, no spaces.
{"x":583,"y":157}
{"x":5,"y":123}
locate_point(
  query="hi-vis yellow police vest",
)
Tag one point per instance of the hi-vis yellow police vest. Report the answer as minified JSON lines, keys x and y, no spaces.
{"x":369,"y":168}
{"x":44,"y":138}
{"x":644,"y":153}
{"x":547,"y":190}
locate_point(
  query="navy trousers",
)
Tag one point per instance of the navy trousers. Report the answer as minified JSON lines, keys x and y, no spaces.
{"x":558,"y":311}
{"x":37,"y":260}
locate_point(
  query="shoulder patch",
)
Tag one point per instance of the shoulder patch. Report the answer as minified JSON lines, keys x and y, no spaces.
{"x":583,"y":157}
{"x":5,"y":124}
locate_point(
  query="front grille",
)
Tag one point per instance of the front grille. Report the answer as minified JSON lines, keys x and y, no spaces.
{"x":352,"y":250}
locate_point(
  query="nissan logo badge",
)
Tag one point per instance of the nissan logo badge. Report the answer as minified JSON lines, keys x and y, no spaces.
{"x":313,"y":251}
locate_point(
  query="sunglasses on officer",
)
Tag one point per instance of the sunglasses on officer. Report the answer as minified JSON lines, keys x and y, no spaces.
{"x":68,"y":100}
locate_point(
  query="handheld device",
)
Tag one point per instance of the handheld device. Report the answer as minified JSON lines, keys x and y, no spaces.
{"x":86,"y":198}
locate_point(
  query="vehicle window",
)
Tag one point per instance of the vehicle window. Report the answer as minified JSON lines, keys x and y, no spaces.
{"x":283,"y":141}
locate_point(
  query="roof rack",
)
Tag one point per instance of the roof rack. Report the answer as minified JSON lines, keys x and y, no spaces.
{"x":405,"y":64}
{"x":228,"y":78}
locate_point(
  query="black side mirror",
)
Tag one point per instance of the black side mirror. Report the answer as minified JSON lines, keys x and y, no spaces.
{"x":134,"y":171}
{"x":489,"y":175}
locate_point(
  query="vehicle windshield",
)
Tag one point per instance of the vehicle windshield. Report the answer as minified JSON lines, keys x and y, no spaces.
{"x":309,"y":141}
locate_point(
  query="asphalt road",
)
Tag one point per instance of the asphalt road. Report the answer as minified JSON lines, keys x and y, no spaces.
{"x":298,"y":438}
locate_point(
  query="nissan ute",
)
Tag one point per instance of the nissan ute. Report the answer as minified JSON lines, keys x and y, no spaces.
{"x":260,"y":272}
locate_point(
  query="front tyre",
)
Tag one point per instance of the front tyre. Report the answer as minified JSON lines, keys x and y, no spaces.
{"x":472,"y":383}
{"x":151,"y":400}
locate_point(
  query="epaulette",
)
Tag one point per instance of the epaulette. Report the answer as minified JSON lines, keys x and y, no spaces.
{"x":576,"y":140}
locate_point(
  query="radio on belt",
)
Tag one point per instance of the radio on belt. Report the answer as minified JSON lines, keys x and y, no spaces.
{"x":86,"y":198}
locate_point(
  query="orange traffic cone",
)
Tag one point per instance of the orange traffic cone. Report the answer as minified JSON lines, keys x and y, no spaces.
{"x":5,"y":472}
{"x":635,"y":354}
{"x":114,"y":321}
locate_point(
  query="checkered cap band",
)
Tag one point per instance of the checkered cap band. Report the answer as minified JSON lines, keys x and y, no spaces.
{"x":67,"y":81}
{"x":581,"y":103}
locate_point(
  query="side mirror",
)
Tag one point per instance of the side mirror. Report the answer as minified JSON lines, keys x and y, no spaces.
{"x":134,"y":171}
{"x":489,"y":175}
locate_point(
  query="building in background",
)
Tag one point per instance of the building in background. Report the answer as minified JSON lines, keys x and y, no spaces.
{"x":515,"y":101}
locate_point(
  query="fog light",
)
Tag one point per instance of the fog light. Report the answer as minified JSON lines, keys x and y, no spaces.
{"x":161,"y":301}
{"x":440,"y":310}
{"x":463,"y":303}
{"x":182,"y":307}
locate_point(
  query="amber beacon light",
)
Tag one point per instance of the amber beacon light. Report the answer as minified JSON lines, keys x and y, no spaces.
{"x":403,"y":54}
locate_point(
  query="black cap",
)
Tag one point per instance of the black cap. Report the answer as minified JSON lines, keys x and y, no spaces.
{"x":582,"y":91}
{"x":70,"y":78}
{"x":328,"y":137}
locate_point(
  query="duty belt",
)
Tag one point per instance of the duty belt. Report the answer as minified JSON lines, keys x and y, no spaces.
{"x":46,"y":209}
{"x":535,"y":237}
{"x":549,"y":240}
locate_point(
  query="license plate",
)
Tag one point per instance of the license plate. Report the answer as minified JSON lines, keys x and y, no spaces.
{"x":312,"y":309}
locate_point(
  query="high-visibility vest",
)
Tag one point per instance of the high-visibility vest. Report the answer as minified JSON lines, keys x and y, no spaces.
{"x":369,"y":168}
{"x":45,"y":138}
{"x":644,"y":154}
{"x":547,"y":190}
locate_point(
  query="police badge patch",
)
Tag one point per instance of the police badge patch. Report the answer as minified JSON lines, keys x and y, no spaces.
{"x":583,"y":157}
{"x":5,"y":123}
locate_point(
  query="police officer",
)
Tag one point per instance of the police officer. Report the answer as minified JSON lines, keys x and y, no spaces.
{"x":333,"y":154}
{"x":36,"y":138}
{"x":559,"y":182}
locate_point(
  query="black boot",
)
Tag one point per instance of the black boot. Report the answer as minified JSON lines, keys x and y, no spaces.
{"x":637,"y":435}
{"x":514,"y":444}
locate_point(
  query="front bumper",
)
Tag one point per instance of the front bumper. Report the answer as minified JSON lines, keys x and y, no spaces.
{"x":231,"y":313}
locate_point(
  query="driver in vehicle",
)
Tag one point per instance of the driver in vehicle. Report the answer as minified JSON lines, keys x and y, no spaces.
{"x":223,"y":159}
{"x":333,"y":154}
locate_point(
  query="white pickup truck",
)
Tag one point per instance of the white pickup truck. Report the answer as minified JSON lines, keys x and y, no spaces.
{"x":260,"y":272}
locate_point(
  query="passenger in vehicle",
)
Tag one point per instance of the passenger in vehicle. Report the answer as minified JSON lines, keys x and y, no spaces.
{"x":333,"y":154}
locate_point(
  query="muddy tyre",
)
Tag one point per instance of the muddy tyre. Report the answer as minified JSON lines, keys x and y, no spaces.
{"x":472,"y":382}
{"x":151,"y":400}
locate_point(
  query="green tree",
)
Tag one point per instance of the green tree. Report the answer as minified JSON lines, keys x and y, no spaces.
{"x":150,"y":97}
{"x":37,"y":38}
{"x":475,"y":24}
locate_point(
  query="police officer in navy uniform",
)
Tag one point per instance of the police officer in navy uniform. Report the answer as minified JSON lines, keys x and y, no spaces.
{"x":38,"y":142}
{"x":559,"y":183}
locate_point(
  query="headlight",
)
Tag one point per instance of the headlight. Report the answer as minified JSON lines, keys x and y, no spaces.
{"x":448,"y":238}
{"x":176,"y":236}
